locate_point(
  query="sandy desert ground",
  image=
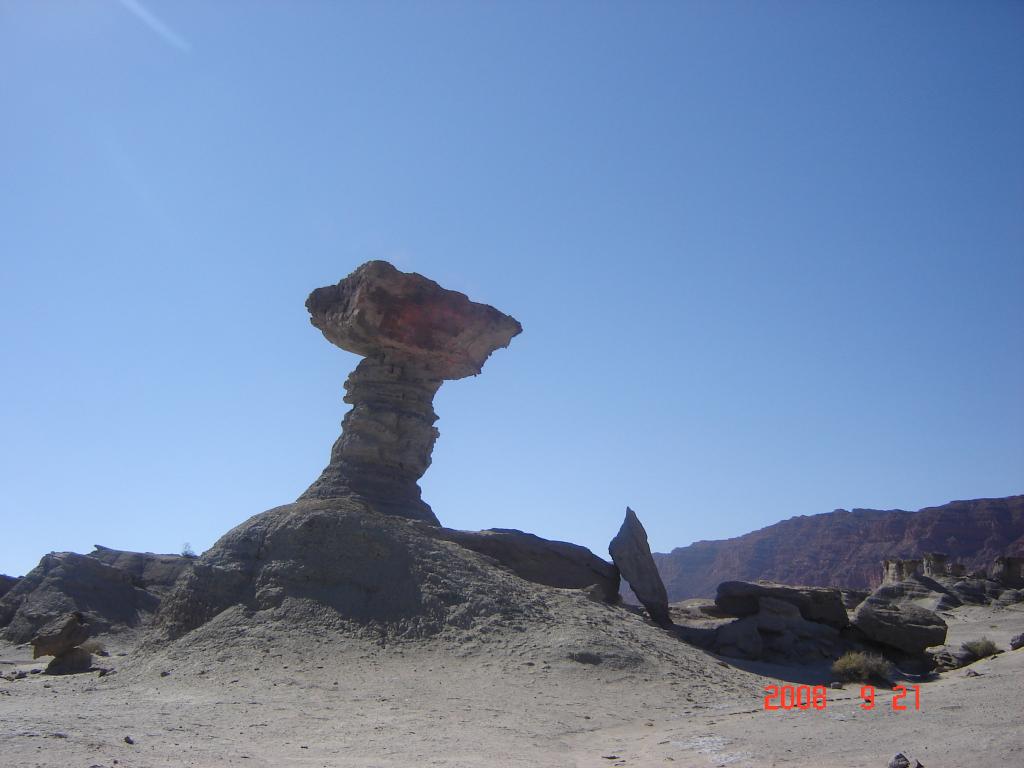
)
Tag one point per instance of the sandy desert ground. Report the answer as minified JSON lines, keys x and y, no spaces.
{"x":267,"y":695}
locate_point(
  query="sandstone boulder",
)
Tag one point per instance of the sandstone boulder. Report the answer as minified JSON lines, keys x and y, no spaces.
{"x":60,"y":636}
{"x":739,"y":639}
{"x":632,"y":555}
{"x":782,"y":635}
{"x":950,"y":657}
{"x":816,"y":604}
{"x":70,"y":663}
{"x":920,"y":590}
{"x":553,"y":563}
{"x":904,"y":626}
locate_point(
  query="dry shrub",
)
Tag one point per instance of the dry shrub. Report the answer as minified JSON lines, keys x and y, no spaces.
{"x":94,"y":646}
{"x":980,"y":648}
{"x":864,"y":667}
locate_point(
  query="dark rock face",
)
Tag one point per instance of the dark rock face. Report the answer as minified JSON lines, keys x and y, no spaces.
{"x":414,"y":334}
{"x":1009,"y":571}
{"x":109,"y":587}
{"x":6,"y":584}
{"x":844,"y":548}
{"x":342,"y":561}
{"x":74,"y":661}
{"x":1017,"y":642}
{"x":152,"y":572}
{"x":777,"y":632}
{"x":825,"y":606}
{"x":60,"y":636}
{"x":632,"y":555}
{"x":904,"y":626}
{"x":553,"y":563}
{"x":853,"y":597}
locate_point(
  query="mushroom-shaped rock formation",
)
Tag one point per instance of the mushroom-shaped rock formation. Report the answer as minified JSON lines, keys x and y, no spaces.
{"x":414,"y":334}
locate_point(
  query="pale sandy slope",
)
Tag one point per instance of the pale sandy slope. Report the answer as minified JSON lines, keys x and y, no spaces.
{"x":271,"y":696}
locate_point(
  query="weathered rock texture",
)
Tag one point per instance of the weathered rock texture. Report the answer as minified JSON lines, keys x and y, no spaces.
{"x":824,"y":606}
{"x":414,"y":334}
{"x":342,"y":560}
{"x":843,"y":548}
{"x":553,"y":563}
{"x":776,"y":631}
{"x":632,"y":555}
{"x":60,"y":635}
{"x":6,"y":584}
{"x":900,"y":625}
{"x":111,"y":588}
{"x":1009,"y":571}
{"x":60,"y":639}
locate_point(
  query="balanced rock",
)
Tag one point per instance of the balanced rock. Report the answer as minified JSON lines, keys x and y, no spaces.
{"x":60,"y":636}
{"x":413,"y":334}
{"x":904,"y":626}
{"x":632,"y":555}
{"x":818,"y":604}
{"x":71,"y":662}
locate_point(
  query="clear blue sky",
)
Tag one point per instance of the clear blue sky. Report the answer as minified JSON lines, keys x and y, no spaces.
{"x":768,"y":256}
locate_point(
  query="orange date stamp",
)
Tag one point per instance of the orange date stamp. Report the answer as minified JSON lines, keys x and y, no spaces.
{"x":788,"y":697}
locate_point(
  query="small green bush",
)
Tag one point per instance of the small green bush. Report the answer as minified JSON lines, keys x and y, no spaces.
{"x":864,"y":667}
{"x":980,"y":648}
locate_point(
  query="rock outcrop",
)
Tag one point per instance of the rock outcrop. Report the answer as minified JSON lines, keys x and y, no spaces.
{"x":843,"y":548}
{"x":6,"y":584}
{"x":413,"y":334}
{"x":347,"y":563}
{"x":1009,"y":571}
{"x":632,"y":555}
{"x":901,"y":625}
{"x":153,"y":572}
{"x":815,"y":604}
{"x":777,"y":632}
{"x":61,"y":639}
{"x":60,"y":635}
{"x":110,"y":588}
{"x":552,"y":563}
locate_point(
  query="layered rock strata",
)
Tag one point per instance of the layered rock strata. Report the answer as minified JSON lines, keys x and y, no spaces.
{"x":815,"y":604}
{"x":414,"y":335}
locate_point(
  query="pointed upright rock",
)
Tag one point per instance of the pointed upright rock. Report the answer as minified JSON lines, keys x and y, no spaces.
{"x":632,"y":554}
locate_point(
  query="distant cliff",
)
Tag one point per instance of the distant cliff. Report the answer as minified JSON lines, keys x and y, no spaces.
{"x":846,"y":549}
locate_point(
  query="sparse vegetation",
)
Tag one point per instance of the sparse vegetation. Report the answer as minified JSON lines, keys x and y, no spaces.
{"x":980,"y":648}
{"x":864,"y":667}
{"x":95,"y":647}
{"x":187,"y":551}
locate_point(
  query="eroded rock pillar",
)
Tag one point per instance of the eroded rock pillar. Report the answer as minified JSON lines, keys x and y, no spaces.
{"x":414,"y":335}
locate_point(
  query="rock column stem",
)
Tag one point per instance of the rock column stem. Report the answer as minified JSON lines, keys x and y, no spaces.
{"x":386,"y":438}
